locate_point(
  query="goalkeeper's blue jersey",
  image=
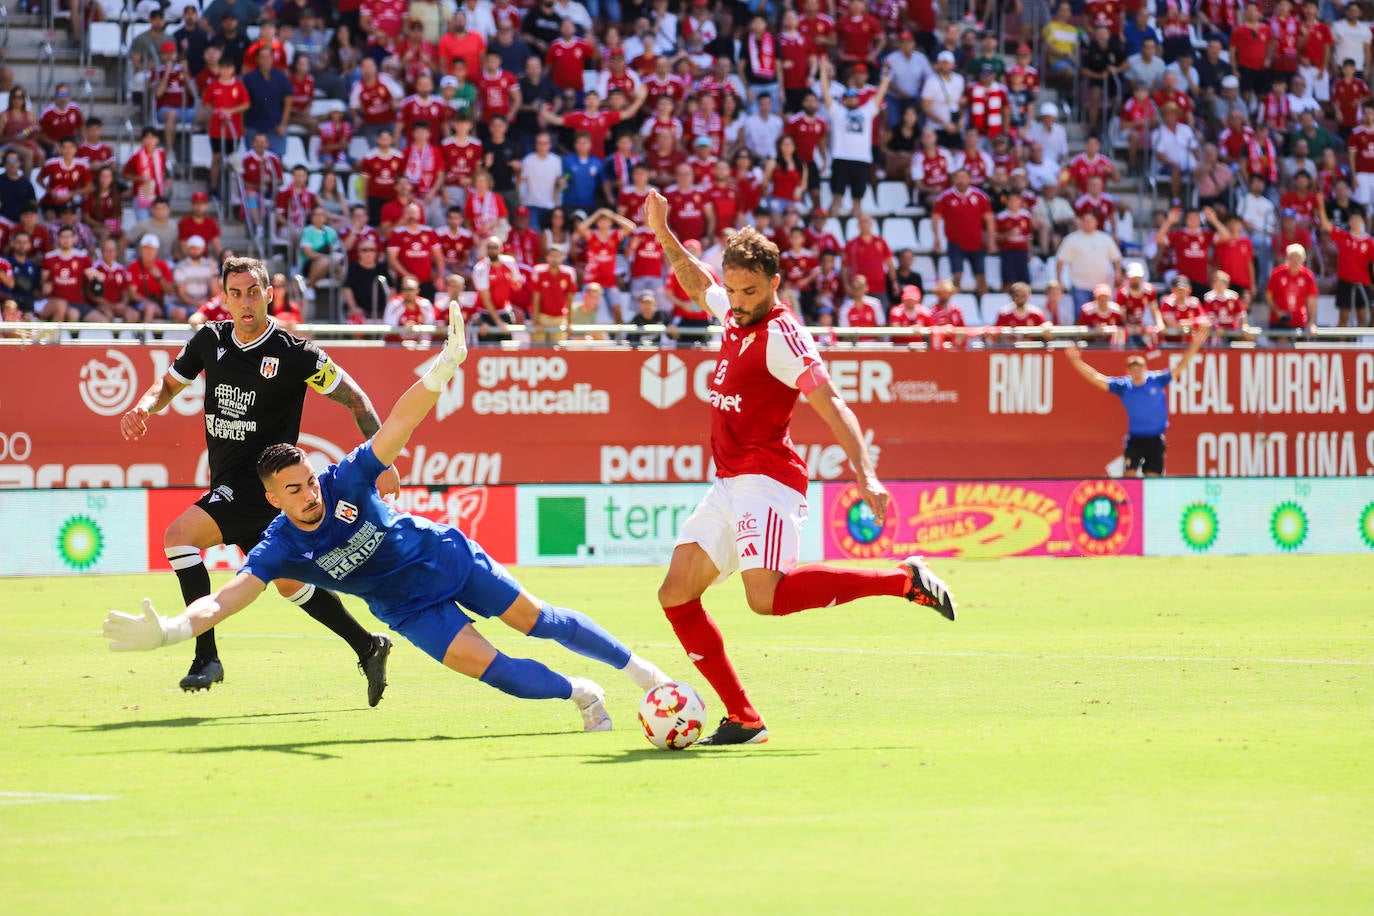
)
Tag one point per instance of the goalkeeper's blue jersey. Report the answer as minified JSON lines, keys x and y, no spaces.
{"x":397,"y":563}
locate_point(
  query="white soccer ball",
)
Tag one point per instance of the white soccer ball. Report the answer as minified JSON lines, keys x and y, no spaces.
{"x":673,"y":716}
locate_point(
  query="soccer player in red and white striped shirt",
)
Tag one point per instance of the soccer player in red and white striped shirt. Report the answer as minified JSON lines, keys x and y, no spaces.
{"x":751,"y":518}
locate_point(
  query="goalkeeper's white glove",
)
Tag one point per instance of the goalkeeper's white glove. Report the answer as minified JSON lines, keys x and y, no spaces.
{"x":455,"y":351}
{"x":129,"y":632}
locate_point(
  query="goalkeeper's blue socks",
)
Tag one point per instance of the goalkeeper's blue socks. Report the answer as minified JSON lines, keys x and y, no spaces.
{"x":526,"y":678}
{"x":576,"y":631}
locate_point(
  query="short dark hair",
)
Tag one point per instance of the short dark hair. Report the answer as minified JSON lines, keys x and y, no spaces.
{"x":749,"y":249}
{"x":278,"y":457}
{"x":252,"y":266}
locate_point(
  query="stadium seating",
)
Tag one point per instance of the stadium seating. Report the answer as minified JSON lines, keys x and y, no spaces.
{"x":899,"y":232}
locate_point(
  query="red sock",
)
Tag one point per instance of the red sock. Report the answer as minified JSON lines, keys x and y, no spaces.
{"x":817,"y":585}
{"x":701,"y":638}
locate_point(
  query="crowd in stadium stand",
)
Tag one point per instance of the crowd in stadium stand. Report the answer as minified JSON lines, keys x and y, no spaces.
{"x":499,"y":152}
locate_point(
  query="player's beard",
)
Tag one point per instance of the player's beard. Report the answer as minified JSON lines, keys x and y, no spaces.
{"x":745,"y":317}
{"x":312,"y":514}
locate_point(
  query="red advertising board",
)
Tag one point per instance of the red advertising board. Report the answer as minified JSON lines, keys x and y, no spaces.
{"x":485,"y":514}
{"x":547,"y":416}
{"x":983,"y":519}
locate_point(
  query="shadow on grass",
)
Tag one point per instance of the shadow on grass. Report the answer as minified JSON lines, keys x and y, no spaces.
{"x":314,"y":749}
{"x":653,"y":753}
{"x":189,"y":721}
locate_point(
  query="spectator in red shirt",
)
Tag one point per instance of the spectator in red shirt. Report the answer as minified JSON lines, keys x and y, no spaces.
{"x":1354,"y":255}
{"x":862,"y":310}
{"x":906,"y":312}
{"x":1180,"y":308}
{"x":108,"y":285}
{"x":944,"y":317}
{"x":1235,"y":255}
{"x":151,"y":285}
{"x":964,"y":213}
{"x":1225,"y":309}
{"x":1192,"y":244}
{"x":568,"y":57}
{"x":1292,"y":293}
{"x":594,"y":120}
{"x":868,"y":256}
{"x":200,"y":222}
{"x":552,"y":286}
{"x":65,"y":271}
{"x":691,"y":214}
{"x":1019,"y":313}
{"x":413,"y":251}
{"x":1014,"y":232}
{"x":1251,"y":52}
{"x":861,"y":34}
{"x":1103,"y":315}
{"x":226,"y":99}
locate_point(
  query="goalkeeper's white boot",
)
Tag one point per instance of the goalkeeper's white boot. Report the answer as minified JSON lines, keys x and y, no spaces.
{"x":591,"y":701}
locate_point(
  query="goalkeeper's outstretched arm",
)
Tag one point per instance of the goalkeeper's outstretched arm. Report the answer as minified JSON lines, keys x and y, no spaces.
{"x":150,"y":630}
{"x":419,"y":399}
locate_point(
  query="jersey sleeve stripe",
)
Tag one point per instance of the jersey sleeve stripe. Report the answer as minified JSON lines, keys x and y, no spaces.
{"x":178,"y":376}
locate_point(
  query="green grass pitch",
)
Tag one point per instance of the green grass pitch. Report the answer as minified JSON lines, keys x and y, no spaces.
{"x":1096,"y":736}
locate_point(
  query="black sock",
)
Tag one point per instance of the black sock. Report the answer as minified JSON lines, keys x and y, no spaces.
{"x":326,"y":607}
{"x":194,"y":579}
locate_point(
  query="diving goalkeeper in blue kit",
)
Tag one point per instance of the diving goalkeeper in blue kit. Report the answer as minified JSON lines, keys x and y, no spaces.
{"x":335,"y":531}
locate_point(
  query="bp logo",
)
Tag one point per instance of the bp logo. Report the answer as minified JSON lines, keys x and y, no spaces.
{"x":856,"y":531}
{"x":80,"y":542}
{"x":1288,"y":526}
{"x":1099,"y":517}
{"x":1367,"y":526}
{"x":1199,"y":526}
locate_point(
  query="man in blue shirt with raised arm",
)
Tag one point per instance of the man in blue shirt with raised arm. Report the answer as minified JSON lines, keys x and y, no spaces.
{"x":1145,"y":396}
{"x":335,"y":531}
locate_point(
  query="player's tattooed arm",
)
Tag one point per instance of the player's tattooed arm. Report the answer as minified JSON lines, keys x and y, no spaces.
{"x":691,"y":273}
{"x":356,"y":400}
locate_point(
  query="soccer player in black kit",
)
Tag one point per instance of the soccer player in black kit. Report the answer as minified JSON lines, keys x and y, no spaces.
{"x":256,"y":376}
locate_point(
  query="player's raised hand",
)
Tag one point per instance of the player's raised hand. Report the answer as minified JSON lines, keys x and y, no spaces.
{"x":134,"y":424}
{"x":656,"y":211}
{"x":150,"y":630}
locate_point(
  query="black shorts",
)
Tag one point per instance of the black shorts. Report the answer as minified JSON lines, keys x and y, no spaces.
{"x":1145,"y":453}
{"x":1353,"y":295}
{"x":977,"y":259}
{"x":813,"y":176}
{"x":849,"y":175}
{"x":241,"y":510}
{"x":792,"y":99}
{"x":1254,"y":80}
{"x":224,"y":146}
{"x":1015,"y":267}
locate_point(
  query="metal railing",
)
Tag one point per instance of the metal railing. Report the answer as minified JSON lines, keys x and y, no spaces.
{"x":373,"y":335}
{"x":122,"y":74}
{"x":4,"y":29}
{"x":47,"y":70}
